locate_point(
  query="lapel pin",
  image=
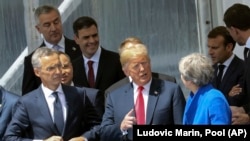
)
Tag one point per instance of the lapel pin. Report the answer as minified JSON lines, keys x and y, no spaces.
{"x":155,"y":92}
{"x":73,"y":48}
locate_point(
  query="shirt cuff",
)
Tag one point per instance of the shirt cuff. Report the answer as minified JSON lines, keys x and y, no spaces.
{"x":124,"y":132}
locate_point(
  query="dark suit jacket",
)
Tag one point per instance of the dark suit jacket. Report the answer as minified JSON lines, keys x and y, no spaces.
{"x":30,"y":80}
{"x":232,"y":77}
{"x":32,"y":119}
{"x":9,"y":100}
{"x":246,"y":88}
{"x":166,"y":104}
{"x":94,"y":96}
{"x":109,"y":71}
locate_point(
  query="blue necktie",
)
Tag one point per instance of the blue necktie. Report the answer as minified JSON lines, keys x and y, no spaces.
{"x":57,"y":47}
{"x":58,"y":113}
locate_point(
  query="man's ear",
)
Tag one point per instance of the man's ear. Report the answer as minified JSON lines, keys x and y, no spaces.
{"x":235,"y":30}
{"x":229,"y":47}
{"x":37,"y":72}
{"x":37,"y":28}
{"x":126,"y":72}
{"x":76,"y":38}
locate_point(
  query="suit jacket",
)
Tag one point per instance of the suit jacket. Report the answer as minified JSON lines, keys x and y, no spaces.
{"x":166,"y":104}
{"x":30,"y":80}
{"x":207,"y":107}
{"x":232,"y":77}
{"x":7,"y":108}
{"x":246,"y":87}
{"x":32,"y":119}
{"x":94,"y":96}
{"x":109,"y":71}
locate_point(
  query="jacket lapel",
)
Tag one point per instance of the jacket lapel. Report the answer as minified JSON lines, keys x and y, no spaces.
{"x":100,"y":65}
{"x":44,"y":109}
{"x":154,"y":92}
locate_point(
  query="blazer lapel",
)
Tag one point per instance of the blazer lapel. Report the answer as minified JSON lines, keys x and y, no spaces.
{"x":129,"y":94}
{"x":229,"y":72}
{"x":100,"y":65}
{"x":44,"y":110}
{"x":70,"y":108}
{"x":2,"y":98}
{"x":79,"y":71}
{"x":154,"y":92}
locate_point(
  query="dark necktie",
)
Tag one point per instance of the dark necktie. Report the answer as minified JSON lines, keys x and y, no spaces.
{"x":139,"y":107}
{"x":219,"y":76}
{"x":58,"y":113}
{"x":91,"y":76}
{"x":246,"y":51}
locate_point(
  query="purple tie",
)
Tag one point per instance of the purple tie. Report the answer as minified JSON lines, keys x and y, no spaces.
{"x":91,"y":76}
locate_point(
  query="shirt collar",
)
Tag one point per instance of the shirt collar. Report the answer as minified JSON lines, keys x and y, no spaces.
{"x":228,"y":61}
{"x":95,"y":57}
{"x":248,"y":43}
{"x":146,"y":86}
{"x":47,"y":92}
{"x":61,"y":43}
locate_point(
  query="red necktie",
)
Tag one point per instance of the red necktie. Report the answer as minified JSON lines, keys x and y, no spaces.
{"x":139,"y":107}
{"x":91,"y":76}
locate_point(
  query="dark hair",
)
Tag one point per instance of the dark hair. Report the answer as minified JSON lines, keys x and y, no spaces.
{"x":83,"y":22}
{"x":222,"y":31}
{"x":238,"y":15}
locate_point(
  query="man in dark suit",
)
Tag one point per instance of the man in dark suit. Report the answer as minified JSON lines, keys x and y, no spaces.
{"x":126,"y":42}
{"x":106,"y":65}
{"x":48,"y":23}
{"x":37,"y":112}
{"x":94,"y":95}
{"x":7,"y":107}
{"x":220,"y":48}
{"x":164,"y":100}
{"x":237,"y":22}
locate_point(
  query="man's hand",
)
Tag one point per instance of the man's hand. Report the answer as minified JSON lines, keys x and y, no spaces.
{"x":240,"y":118}
{"x":235,"y":90}
{"x":236,"y":109}
{"x":128,"y":121}
{"x":78,"y":139}
{"x":54,"y":138}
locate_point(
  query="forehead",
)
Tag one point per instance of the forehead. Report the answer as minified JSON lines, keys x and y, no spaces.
{"x":64,"y":59}
{"x":218,"y":38}
{"x":49,"y":60}
{"x":88,"y":31}
{"x":139,"y":59}
{"x":48,"y":17}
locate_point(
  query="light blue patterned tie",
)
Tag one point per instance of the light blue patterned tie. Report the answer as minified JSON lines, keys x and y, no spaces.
{"x":57,"y":47}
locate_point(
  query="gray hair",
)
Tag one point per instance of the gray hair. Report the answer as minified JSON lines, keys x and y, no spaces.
{"x":39,"y":53}
{"x":196,"y":68}
{"x":44,"y":9}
